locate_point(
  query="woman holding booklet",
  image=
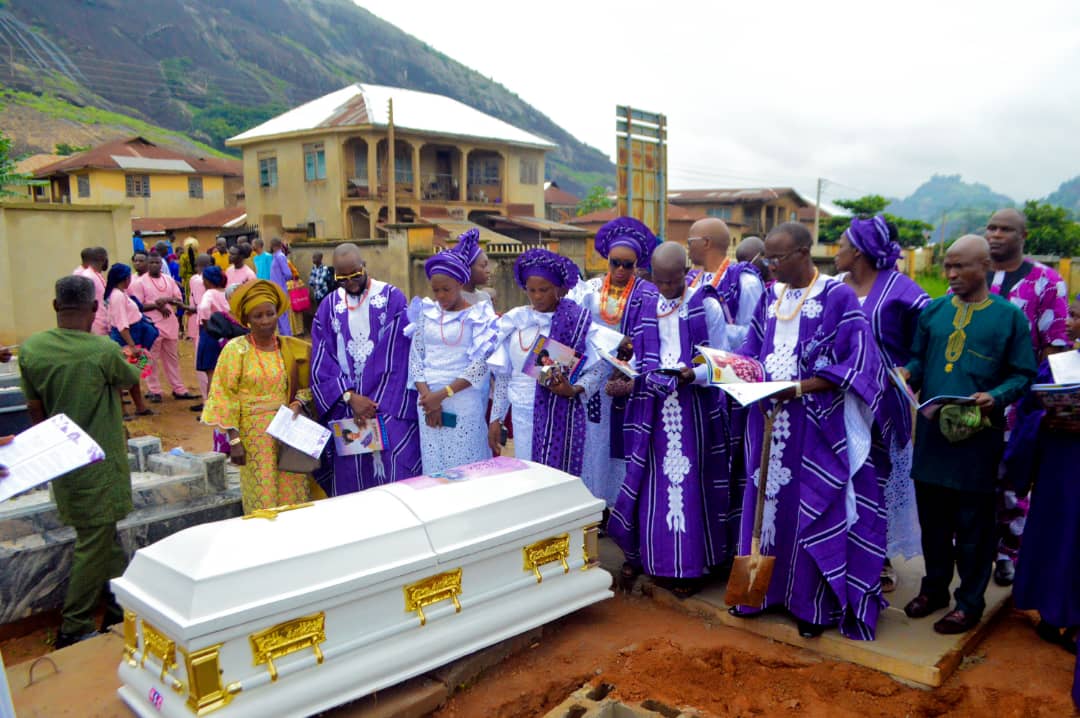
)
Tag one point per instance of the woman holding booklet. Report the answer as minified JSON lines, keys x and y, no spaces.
{"x":451,"y":341}
{"x":254,"y":376}
{"x":548,"y":409}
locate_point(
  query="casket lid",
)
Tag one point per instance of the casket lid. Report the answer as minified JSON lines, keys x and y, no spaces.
{"x":219,"y":575}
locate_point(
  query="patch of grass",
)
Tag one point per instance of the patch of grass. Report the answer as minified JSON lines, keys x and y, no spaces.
{"x":56,"y":107}
{"x":933,"y":283}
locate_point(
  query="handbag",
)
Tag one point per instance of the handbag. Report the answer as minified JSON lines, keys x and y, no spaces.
{"x":299,"y":297}
{"x":221,"y":326}
{"x":290,"y":458}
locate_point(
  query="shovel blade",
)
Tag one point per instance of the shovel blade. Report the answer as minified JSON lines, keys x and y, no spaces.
{"x":749,"y":581}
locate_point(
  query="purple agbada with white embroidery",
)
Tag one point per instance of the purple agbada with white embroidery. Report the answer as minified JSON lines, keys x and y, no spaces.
{"x":675,"y":514}
{"x":363,"y":349}
{"x":824,"y":509}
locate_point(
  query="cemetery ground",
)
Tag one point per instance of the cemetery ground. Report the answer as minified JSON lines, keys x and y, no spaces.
{"x":648,"y":649}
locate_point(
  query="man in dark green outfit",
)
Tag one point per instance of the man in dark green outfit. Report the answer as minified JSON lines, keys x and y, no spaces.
{"x":68,"y":370}
{"x":969,"y":344}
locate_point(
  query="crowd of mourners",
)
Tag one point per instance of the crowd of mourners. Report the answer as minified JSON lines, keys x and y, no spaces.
{"x":856,"y":478}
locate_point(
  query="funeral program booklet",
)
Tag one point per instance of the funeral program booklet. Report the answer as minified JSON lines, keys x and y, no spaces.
{"x":50,"y":449}
{"x":356,"y":436}
{"x":741,"y":377}
{"x":547,"y":355}
{"x":299,"y":432}
{"x":930,"y":407}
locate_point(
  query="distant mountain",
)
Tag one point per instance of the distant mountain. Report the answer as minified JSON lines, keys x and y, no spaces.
{"x":1067,"y":196}
{"x":965,"y":205}
{"x":212,"y":68}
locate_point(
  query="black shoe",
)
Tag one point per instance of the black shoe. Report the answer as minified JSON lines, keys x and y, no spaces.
{"x":1004,"y":572}
{"x":809,"y":630}
{"x":153,"y":398}
{"x":196,"y":407}
{"x":922,"y":606}
{"x":63,"y":640}
{"x":186,"y":396}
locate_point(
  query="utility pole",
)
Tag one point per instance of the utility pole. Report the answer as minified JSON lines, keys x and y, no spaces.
{"x":391,"y":175}
{"x":944,"y":214}
{"x":817,"y":210}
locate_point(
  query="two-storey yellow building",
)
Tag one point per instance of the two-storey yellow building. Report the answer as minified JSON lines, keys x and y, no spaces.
{"x":154,"y":180}
{"x":327,"y":168}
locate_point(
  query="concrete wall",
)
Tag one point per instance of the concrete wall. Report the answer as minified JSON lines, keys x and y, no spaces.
{"x":168,"y":194}
{"x":39,"y":243}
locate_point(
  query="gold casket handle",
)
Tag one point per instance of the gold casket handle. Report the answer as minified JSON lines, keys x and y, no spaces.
{"x":433,"y":589}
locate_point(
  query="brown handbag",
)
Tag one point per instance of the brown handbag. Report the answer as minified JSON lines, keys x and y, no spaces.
{"x":290,"y":458}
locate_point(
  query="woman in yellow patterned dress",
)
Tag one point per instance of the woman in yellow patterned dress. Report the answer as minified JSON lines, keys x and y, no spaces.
{"x":255,"y":375}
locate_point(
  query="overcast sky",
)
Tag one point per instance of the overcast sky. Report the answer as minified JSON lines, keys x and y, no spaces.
{"x":874,"y":97}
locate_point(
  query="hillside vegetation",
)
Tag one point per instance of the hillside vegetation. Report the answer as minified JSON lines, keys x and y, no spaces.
{"x":211,"y":69}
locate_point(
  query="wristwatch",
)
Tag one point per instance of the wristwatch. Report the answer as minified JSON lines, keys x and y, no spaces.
{"x":234,"y":442}
{"x":346,"y":397}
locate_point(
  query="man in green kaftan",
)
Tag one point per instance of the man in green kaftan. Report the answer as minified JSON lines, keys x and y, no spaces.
{"x":68,"y":370}
{"x":969,"y":344}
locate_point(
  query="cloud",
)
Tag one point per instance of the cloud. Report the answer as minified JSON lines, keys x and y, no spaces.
{"x":872,"y":96}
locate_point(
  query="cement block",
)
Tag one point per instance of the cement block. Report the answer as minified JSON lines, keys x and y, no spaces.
{"x":162,"y":489}
{"x":466,"y":670}
{"x":176,"y":465}
{"x":215,"y":470}
{"x":144,"y":447}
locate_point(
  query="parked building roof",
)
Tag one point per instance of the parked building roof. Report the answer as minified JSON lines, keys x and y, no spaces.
{"x":31,"y":164}
{"x":361,"y":105}
{"x":555,"y":195}
{"x":219,"y":218}
{"x":539,"y":224}
{"x":447,"y":230}
{"x":138,"y":153}
{"x":675,"y":213}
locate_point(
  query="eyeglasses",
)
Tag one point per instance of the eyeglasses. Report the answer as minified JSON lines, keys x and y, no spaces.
{"x":349,"y":277}
{"x":621,"y":263}
{"x":691,"y":239}
{"x":776,"y":260}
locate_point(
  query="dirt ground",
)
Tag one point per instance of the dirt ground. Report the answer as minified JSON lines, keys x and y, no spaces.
{"x":650,"y":652}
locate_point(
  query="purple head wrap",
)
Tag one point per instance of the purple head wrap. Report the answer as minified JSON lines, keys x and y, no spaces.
{"x":450,"y":264}
{"x":536,"y":262}
{"x":627,"y":232}
{"x":468,"y":246}
{"x":871,"y":237}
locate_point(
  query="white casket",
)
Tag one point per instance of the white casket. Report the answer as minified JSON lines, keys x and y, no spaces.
{"x":303,"y":608}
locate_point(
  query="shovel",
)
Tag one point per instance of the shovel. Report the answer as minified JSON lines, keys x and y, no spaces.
{"x":750,"y":575}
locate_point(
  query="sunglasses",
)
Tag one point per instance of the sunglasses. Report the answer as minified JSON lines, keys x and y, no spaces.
{"x":621,"y":263}
{"x":776,"y":260}
{"x":349,"y":277}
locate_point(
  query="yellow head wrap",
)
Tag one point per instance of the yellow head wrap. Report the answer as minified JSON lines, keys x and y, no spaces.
{"x":251,"y":294}
{"x":191,"y":242}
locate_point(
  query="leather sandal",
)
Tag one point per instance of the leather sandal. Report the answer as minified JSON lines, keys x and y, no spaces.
{"x":922,"y":606}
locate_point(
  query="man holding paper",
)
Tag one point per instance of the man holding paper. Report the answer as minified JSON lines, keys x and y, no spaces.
{"x":360,"y":370}
{"x":71,"y":371}
{"x":677,"y":512}
{"x":824,"y":513}
{"x":974,"y":344}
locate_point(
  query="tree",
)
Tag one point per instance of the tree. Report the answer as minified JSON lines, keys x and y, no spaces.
{"x":66,"y":149}
{"x":597,"y":199}
{"x":8,"y":176}
{"x":911,"y":232}
{"x":1050,"y":230}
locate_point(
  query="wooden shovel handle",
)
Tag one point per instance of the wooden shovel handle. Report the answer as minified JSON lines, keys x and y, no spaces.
{"x":763,"y":480}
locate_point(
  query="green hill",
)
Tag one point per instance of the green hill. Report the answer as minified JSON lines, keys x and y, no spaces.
{"x":965,"y":205}
{"x":210,"y":69}
{"x":1067,"y":196}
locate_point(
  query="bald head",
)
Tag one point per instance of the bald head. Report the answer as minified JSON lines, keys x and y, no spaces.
{"x":709,"y":241}
{"x":749,"y":249}
{"x":966,"y":263}
{"x":343,"y":251}
{"x":669,"y":269}
{"x":1010,"y":215}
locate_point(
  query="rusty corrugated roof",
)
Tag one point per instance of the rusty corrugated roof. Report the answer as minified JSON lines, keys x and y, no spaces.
{"x":103,"y":157}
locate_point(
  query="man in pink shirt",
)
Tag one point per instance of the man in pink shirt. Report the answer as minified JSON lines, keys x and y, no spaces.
{"x":160,"y":295}
{"x":95,"y":261}
{"x":197,"y":289}
{"x":239,"y":272}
